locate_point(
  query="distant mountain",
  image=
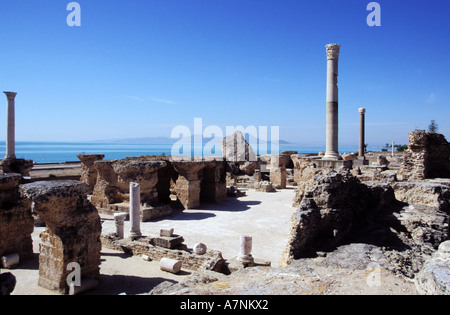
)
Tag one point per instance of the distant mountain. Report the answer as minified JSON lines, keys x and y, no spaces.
{"x":143,"y":140}
{"x":161,"y":140}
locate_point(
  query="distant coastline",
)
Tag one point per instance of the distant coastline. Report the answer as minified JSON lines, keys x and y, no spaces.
{"x":59,"y":152}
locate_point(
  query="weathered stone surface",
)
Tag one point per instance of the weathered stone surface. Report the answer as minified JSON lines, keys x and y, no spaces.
{"x":72,"y":233}
{"x":264,"y":186}
{"x":434,"y":278}
{"x":114,"y":178}
{"x":211,"y":260}
{"x":170,"y":265}
{"x":200,"y":249}
{"x":338,"y":209}
{"x":236,"y":149}
{"x":428,"y":156}
{"x":16,"y":221}
{"x":349,"y":157}
{"x":332,"y":205}
{"x":164,"y":182}
{"x":89,"y":171}
{"x":382,"y":160}
{"x":277,"y":170}
{"x":20,"y":166}
{"x":425,"y":218}
{"x":170,"y":242}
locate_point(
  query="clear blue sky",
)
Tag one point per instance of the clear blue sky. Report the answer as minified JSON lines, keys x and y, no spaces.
{"x":137,"y":68}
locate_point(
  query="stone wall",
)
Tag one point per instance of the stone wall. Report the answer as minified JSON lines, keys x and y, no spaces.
{"x":114,"y":177}
{"x":72,"y":233}
{"x":407,"y":220}
{"x":211,"y":260}
{"x":428,"y":156}
{"x":16,"y":221}
{"x":333,"y":205}
{"x":163,"y":182}
{"x":89,"y":172}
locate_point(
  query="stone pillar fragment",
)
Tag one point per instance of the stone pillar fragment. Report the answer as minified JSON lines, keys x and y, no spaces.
{"x":135,"y":210}
{"x":278,"y":171}
{"x":119,"y":220}
{"x":10,"y":126}
{"x":170,"y":265}
{"x":188,"y":184}
{"x":362,"y":112}
{"x":332,"y":102}
{"x":72,"y":234}
{"x":245,"y":256}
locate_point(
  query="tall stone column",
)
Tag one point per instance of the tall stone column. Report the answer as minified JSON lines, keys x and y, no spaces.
{"x":135,"y":210}
{"x":10,"y":126}
{"x":362,"y":112}
{"x":332,"y":102}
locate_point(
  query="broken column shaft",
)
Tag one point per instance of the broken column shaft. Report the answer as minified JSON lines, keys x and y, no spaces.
{"x":362,"y":112}
{"x":135,"y":210}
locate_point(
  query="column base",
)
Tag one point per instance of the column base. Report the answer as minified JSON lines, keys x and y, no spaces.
{"x":246,"y":260}
{"x":135,"y":235}
{"x":332,"y":156}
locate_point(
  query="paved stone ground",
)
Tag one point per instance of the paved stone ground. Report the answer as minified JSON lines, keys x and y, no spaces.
{"x":265,"y":216}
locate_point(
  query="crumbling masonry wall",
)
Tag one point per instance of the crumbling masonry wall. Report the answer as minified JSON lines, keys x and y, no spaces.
{"x":163,"y":181}
{"x":16,"y":222}
{"x":72,"y":233}
{"x":428,"y":156}
{"x":408,"y":220}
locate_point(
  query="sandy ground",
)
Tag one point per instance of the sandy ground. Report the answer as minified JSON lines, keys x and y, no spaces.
{"x":265,"y":216}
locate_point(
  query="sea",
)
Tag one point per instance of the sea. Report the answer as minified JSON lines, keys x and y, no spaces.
{"x":60,"y":152}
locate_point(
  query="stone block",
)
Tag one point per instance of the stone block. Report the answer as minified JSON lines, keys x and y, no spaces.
{"x":168,"y":242}
{"x":72,"y":233}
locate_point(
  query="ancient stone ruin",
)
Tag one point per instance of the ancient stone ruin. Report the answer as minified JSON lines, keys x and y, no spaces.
{"x":165,"y":184}
{"x":16,"y":221}
{"x":72,"y":232}
{"x":428,"y":156}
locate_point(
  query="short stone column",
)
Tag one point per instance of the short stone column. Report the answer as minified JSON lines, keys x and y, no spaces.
{"x":362,"y":112}
{"x":119,"y":220}
{"x":245,"y":256}
{"x":332,"y":131}
{"x":278,"y":171}
{"x":72,"y":235}
{"x":135,"y":210}
{"x":10,"y":126}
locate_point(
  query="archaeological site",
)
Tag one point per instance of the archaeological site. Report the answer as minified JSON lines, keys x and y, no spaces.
{"x":240,"y":224}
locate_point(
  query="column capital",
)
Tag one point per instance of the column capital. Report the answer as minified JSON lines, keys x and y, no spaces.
{"x":362,"y":110}
{"x":333,"y":51}
{"x":10,"y":95}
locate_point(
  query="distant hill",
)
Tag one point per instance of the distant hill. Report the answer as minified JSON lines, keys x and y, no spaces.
{"x":161,"y":140}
